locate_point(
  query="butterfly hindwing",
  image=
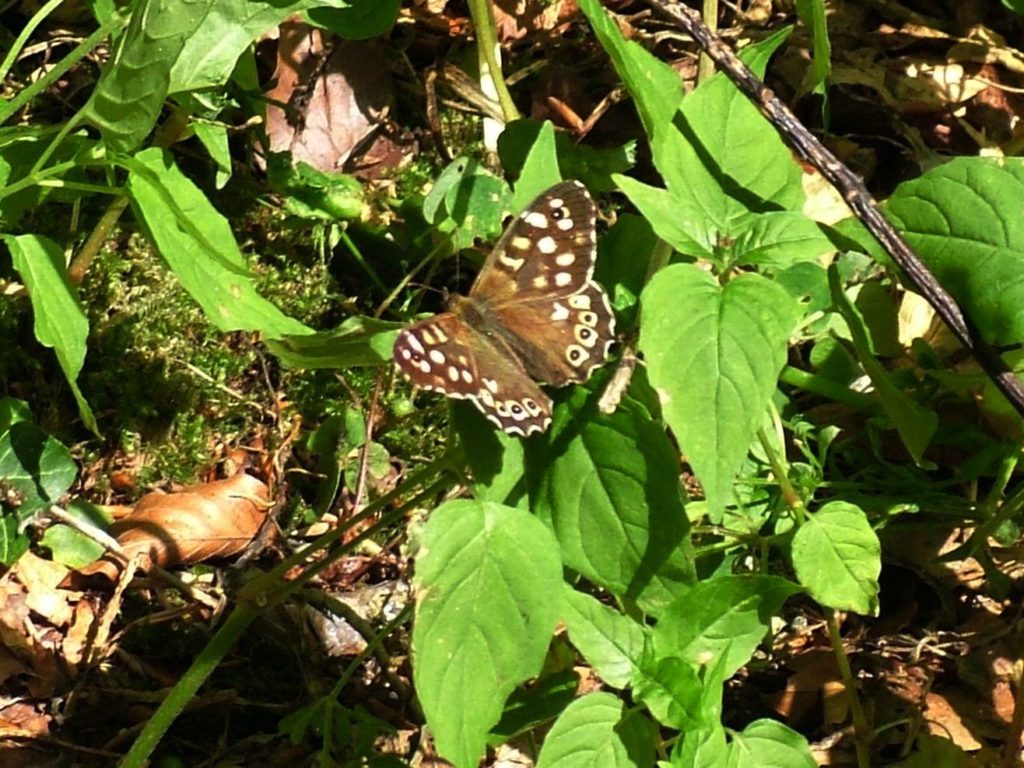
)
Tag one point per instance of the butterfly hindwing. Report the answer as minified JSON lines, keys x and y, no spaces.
{"x":444,"y":354}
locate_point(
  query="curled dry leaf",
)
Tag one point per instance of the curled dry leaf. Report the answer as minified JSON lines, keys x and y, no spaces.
{"x":197,"y":523}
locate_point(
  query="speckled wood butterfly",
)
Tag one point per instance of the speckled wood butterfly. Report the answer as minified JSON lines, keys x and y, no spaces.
{"x":533,"y":315}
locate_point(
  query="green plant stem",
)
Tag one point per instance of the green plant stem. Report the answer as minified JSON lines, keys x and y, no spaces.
{"x":115,"y":22}
{"x":819,"y":385}
{"x":706,"y":65}
{"x":487,"y":43}
{"x":26,"y":33}
{"x":358,"y":256}
{"x":83,"y":259}
{"x":269,"y":589}
{"x":781,"y":472}
{"x":861,"y":729}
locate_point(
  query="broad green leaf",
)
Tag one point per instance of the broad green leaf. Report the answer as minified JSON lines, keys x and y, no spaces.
{"x":468,"y":202}
{"x":36,"y":468}
{"x":609,"y":487}
{"x":780,"y":239}
{"x":595,"y":732}
{"x":671,"y":689}
{"x":701,"y":748}
{"x":623,"y":258}
{"x":357,"y":19}
{"x":197,"y":243}
{"x":915,"y":423}
{"x":767,"y":742}
{"x":540,"y":169}
{"x":68,"y":545}
{"x":60,"y":322}
{"x":483,"y":620}
{"x":683,"y":230}
{"x":714,"y":354}
{"x":964,"y":219}
{"x":611,"y":642}
{"x":13,"y":542}
{"x":228,"y":28}
{"x":1017,"y":6}
{"x":126,"y":102}
{"x":837,"y":557}
{"x":724,"y":617}
{"x":357,"y":341}
{"x":13,"y":410}
{"x":529,"y":707}
{"x":313,"y":194}
{"x":495,"y":459}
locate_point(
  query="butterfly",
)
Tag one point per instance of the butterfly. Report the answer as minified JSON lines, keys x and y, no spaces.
{"x":534,"y":314}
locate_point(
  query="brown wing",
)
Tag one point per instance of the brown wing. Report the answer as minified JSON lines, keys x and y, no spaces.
{"x":547,"y":249}
{"x":445,"y":355}
{"x":559,"y":340}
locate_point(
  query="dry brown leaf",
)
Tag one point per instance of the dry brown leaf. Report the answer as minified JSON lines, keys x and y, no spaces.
{"x":942,"y":720}
{"x":40,"y":578}
{"x":515,"y":19}
{"x":333,"y":105}
{"x":197,"y":523}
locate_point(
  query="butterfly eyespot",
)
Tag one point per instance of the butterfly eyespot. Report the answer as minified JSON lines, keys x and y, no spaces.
{"x":517,"y":411}
{"x":585,"y":336}
{"x":588,"y":318}
{"x":576,"y":354}
{"x":531,"y":407}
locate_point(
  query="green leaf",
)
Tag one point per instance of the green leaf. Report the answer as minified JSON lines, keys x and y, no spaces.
{"x":702,"y":748}
{"x":13,"y":410}
{"x":610,"y":641}
{"x":126,"y":102}
{"x":767,"y":742}
{"x":812,"y":13}
{"x":963,"y":218}
{"x":671,"y":689}
{"x":313,"y":194}
{"x":541,"y":702}
{"x":915,"y":423}
{"x":683,"y":230}
{"x":361,"y":19}
{"x":13,"y":543}
{"x":623,"y":258}
{"x":780,"y":239}
{"x":60,"y":322}
{"x":215,"y":139}
{"x":593,"y":732}
{"x":496,"y":459}
{"x":467,"y":201}
{"x":35,"y":467}
{"x":540,"y":169}
{"x":228,"y":28}
{"x":357,"y":341}
{"x":838,"y":557}
{"x":71,"y":547}
{"x":608,"y":484}
{"x":724,"y":617}
{"x":483,"y":621}
{"x":714,"y":354}
{"x":197,"y":243}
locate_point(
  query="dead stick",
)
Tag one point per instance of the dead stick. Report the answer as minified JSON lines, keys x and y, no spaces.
{"x":853,"y":191}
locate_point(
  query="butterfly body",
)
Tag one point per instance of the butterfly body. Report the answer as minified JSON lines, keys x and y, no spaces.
{"x":533,"y":315}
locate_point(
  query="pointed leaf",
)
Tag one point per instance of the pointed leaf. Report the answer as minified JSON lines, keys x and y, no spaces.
{"x":486,"y":575}
{"x":610,"y":641}
{"x":838,"y":557}
{"x":714,"y":354}
{"x":593,"y":732}
{"x":767,"y":742}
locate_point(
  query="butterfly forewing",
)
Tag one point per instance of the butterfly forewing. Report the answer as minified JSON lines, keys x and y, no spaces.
{"x":446,"y":355}
{"x":534,"y":312}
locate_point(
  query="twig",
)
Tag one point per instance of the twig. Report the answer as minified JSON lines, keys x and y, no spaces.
{"x":854,"y":192}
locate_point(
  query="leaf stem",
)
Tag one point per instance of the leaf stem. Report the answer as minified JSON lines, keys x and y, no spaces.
{"x":487,"y":43}
{"x":861,"y":729}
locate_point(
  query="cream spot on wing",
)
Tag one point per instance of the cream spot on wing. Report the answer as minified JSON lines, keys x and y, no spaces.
{"x":547,"y":244}
{"x":406,"y":354}
{"x":563,"y":279}
{"x":425,"y":366}
{"x":491,"y":384}
{"x":501,"y":408}
{"x":556,"y":203}
{"x":565,"y":259}
{"x":536,"y":219}
{"x":440,"y":335}
{"x":437,"y":356}
{"x":453,"y":373}
{"x":511,"y":263}
{"x":540,"y":281}
{"x":467,"y":376}
{"x":412,"y":341}
{"x":428,"y":336}
{"x":560,"y":313}
{"x":487,"y":398}
{"x":463,"y":361}
{"x":520,"y":243}
{"x":565,"y":224}
{"x":579,"y":301}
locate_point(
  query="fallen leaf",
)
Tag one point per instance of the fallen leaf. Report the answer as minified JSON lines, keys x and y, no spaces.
{"x":199,"y":522}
